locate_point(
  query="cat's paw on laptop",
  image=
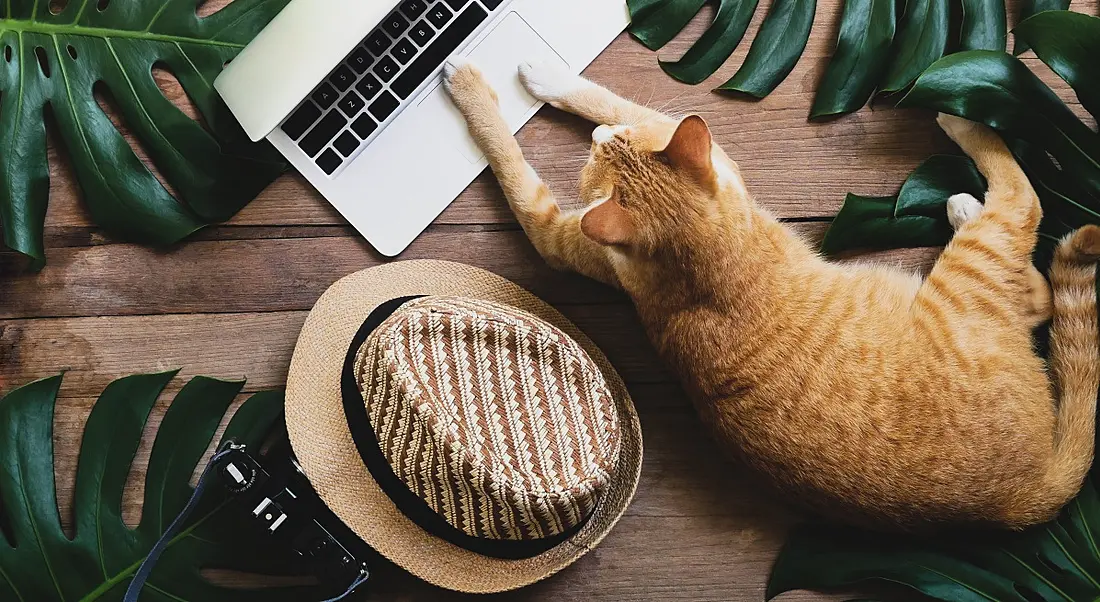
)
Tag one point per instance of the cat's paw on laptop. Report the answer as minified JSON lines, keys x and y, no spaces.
{"x":548,"y":81}
{"x":467,"y":86}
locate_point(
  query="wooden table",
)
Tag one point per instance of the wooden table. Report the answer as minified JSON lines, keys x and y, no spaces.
{"x":230,"y":301}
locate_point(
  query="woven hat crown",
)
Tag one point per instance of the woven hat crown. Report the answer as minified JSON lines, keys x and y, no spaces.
{"x":497,"y":420}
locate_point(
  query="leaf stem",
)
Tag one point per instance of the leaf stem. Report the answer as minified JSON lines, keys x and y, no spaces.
{"x":103,"y":32}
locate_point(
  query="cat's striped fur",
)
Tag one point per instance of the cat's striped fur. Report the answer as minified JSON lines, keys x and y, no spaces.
{"x":875,"y":396}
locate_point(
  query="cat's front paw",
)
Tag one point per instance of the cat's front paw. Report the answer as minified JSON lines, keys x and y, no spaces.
{"x":549,"y":82}
{"x":467,"y":86}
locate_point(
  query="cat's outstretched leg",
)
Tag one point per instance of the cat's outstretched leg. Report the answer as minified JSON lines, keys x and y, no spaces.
{"x":962,"y":209}
{"x":556,"y":234}
{"x":1010,"y":201}
{"x":986,"y":269}
{"x":552,"y":84}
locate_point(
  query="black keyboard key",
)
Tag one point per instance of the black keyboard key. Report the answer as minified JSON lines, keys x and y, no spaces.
{"x":404,"y":52}
{"x":346,"y":144}
{"x":492,"y":4}
{"x":378,"y":43}
{"x":364,"y":126}
{"x":329,"y":161}
{"x":342,"y":78}
{"x":458,"y":4}
{"x":384,"y":106}
{"x":299,"y":122}
{"x":324,"y":96}
{"x":434,"y":55}
{"x":386,"y":69}
{"x":414,"y":8}
{"x":351,"y":104}
{"x":369,"y":86}
{"x":360,"y":60}
{"x":395,"y":25}
{"x":319,"y":136}
{"x":439,"y":15}
{"x":421,"y":33}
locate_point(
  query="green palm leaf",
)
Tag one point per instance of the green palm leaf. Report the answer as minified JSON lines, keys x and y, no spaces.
{"x":1028,"y":8}
{"x":1057,"y":562}
{"x":921,"y":40}
{"x":1069,"y":43}
{"x":997,"y":89}
{"x":775,"y":51}
{"x":862,"y":56}
{"x":54,"y":64}
{"x":984,"y":25}
{"x":716,"y":45}
{"x":916,"y":217}
{"x":38,"y":563}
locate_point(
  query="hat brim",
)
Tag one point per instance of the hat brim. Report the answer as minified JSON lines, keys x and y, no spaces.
{"x":324,"y":447}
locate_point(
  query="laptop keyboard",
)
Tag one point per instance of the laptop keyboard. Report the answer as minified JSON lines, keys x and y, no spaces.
{"x":372,"y":83}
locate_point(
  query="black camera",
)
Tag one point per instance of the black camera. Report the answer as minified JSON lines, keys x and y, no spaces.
{"x":279,"y":503}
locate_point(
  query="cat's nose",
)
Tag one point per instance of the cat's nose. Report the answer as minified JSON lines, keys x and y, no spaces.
{"x":603,"y":134}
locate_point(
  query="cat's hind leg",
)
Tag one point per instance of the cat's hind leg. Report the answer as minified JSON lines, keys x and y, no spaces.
{"x":986,"y":271}
{"x":556,"y":234}
{"x":962,"y":209}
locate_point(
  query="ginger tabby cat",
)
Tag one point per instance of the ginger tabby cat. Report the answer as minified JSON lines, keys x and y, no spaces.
{"x":875,"y":396}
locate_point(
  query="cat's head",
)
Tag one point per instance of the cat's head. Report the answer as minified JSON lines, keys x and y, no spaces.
{"x":649,"y":186}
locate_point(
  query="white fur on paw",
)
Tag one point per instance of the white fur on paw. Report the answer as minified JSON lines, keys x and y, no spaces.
{"x":962,"y":208}
{"x":450,"y":67}
{"x":548,"y":81}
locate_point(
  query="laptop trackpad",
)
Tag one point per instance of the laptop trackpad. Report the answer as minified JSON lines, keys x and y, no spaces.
{"x":498,"y":56}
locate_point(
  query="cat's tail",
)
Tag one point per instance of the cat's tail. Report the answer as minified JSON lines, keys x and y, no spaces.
{"x":1075,"y":361}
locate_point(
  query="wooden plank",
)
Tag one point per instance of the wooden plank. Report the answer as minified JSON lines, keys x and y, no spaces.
{"x":699,"y":509}
{"x":793,"y":167}
{"x":281,"y":274}
{"x":94,"y":351}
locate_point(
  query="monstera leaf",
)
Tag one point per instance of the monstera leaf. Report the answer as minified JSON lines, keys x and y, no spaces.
{"x":1059,"y":152}
{"x":57,"y":56}
{"x":1056,"y":562}
{"x":878,"y":50}
{"x":39,"y":563}
{"x":916,"y":217}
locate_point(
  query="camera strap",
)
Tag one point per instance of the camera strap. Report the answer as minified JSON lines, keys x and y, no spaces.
{"x":235,"y":455}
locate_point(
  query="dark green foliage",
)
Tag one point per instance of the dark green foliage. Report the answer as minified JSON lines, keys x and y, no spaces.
{"x":1069,"y":43}
{"x":1056,"y":562}
{"x":1028,"y":8}
{"x":716,"y":45}
{"x":39,"y":563}
{"x":916,"y":217}
{"x":110,"y":48}
{"x":921,"y":41}
{"x":984,"y":25}
{"x":862,"y":56}
{"x":776,"y":48}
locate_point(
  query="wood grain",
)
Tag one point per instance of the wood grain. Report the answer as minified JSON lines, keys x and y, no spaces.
{"x":230,"y":302}
{"x":240,"y":275}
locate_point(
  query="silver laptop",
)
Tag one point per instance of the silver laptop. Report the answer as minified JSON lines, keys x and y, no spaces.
{"x":350,"y":92}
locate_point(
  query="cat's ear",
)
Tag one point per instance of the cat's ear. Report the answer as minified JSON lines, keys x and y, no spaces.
{"x":690,"y":149}
{"x":607,"y":223}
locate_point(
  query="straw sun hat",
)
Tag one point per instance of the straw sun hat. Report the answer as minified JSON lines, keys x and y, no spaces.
{"x":459,"y":425}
